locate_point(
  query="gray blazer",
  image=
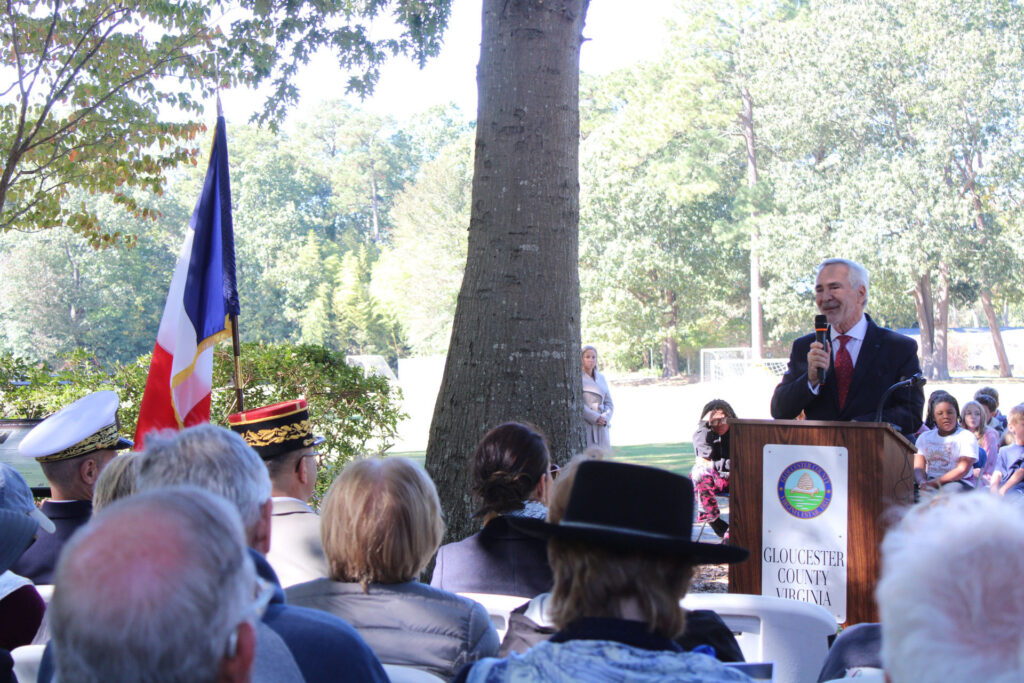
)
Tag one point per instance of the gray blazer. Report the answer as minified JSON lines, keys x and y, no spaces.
{"x":410,"y":623}
{"x":296,"y":553}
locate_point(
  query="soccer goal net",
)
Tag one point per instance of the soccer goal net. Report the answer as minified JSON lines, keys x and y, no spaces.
{"x":718,"y":365}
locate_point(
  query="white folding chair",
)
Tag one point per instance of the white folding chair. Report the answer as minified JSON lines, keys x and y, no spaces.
{"x":26,"y":662}
{"x":499,"y":607}
{"x":793,"y":635}
{"x":45,"y":591}
{"x":409,"y":674}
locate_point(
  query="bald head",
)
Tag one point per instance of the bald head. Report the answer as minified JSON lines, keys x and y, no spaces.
{"x":162,"y":578}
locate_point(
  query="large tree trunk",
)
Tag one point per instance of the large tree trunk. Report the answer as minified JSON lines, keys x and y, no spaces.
{"x":669,"y":357}
{"x":941,"y":355}
{"x":926,"y":323}
{"x":756,"y":314}
{"x":515,"y":344}
{"x":986,"y":292}
{"x":670,"y":345}
{"x":997,"y":336}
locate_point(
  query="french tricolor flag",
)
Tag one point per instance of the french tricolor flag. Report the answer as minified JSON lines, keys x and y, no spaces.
{"x":202,"y":296}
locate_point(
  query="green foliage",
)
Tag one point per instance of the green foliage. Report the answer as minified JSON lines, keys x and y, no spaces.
{"x":57,"y":293}
{"x":276,"y":37}
{"x":35,"y":390}
{"x":94,"y":106}
{"x":895,"y":128}
{"x":104,"y":95}
{"x":660,"y":238}
{"x":417,"y":278}
{"x":303,"y":241}
{"x":356,"y":414}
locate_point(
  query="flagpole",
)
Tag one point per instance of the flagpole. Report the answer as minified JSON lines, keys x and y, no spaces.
{"x":235,"y":342}
{"x":238,"y":363}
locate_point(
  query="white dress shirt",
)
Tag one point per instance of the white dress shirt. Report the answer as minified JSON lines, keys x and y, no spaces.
{"x":853,"y":344}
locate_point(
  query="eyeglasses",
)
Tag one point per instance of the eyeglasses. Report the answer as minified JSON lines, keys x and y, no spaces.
{"x":252,"y":613}
{"x":554,"y":471}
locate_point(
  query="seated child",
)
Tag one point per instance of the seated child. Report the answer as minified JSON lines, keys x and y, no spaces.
{"x":1008,"y":475}
{"x":974,"y":418}
{"x":998,"y":421}
{"x":946,"y":454}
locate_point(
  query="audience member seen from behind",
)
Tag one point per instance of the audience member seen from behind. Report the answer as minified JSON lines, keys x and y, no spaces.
{"x":710,"y":474}
{"x":174,"y":599}
{"x":945,"y":455}
{"x":116,"y":481}
{"x":72,"y":447}
{"x":531,"y":623}
{"x":937,"y":624}
{"x":282,"y":434}
{"x":21,"y":606}
{"x":597,"y":402}
{"x":219,"y":461}
{"x":623,"y":559}
{"x":510,"y":470}
{"x":974,"y":418}
{"x":381,"y":524}
{"x":1008,"y":473}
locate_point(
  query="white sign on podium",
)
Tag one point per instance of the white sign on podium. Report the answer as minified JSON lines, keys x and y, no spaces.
{"x":804,"y":525}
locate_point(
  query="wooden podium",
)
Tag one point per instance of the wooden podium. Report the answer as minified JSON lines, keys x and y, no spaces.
{"x":881,"y":474}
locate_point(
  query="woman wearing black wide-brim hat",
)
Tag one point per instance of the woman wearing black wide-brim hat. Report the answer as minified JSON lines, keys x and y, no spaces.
{"x":623,"y":558}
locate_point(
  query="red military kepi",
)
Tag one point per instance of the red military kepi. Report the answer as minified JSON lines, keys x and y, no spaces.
{"x":276,"y":429}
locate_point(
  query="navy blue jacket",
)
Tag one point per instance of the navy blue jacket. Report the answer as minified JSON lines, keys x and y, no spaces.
{"x":498,"y":559}
{"x":40,"y":559}
{"x":885,"y":357}
{"x":325,"y":647}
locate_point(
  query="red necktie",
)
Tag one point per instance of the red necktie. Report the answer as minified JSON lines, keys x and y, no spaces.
{"x":844,"y":369}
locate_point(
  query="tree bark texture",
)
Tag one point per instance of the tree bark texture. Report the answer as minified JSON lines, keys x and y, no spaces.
{"x":941,"y":354}
{"x":669,"y":357}
{"x":756,"y":313}
{"x":997,"y":336}
{"x":515,"y":346}
{"x":925,"y":321}
{"x":986,"y":293}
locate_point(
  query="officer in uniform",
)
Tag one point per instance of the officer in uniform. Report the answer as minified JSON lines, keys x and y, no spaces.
{"x":283,"y":436}
{"x":72,"y":447}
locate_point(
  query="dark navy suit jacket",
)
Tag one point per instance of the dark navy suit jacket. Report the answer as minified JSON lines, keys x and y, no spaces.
{"x":885,"y":357}
{"x":498,"y":559}
{"x":39,"y":561}
{"x":325,"y":647}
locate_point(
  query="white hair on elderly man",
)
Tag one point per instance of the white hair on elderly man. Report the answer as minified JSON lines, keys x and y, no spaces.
{"x":951,"y":596}
{"x":157,"y":587}
{"x":213,"y":458}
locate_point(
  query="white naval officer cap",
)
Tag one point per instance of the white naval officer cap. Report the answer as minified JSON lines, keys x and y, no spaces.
{"x":89,"y":424}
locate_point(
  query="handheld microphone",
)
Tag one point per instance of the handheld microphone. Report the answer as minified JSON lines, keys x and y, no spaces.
{"x":821,"y":336}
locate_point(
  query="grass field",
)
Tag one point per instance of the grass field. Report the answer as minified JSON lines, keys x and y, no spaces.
{"x":675,"y":457}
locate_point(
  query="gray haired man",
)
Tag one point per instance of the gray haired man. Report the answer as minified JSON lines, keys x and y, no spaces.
{"x":168,"y":600}
{"x":220,"y":461}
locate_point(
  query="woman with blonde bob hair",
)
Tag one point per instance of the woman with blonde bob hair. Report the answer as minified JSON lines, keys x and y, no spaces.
{"x":380,"y":525}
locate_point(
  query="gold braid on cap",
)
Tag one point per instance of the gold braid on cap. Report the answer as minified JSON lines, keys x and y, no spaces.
{"x":288,"y":432}
{"x":104,"y":439}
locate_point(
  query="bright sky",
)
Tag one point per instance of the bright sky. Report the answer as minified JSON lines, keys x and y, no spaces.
{"x":617,"y":36}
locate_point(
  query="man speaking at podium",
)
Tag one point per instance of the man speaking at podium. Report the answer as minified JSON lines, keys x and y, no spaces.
{"x":845,"y":378}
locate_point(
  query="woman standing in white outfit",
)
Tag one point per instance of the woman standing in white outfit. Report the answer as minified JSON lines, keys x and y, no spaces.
{"x":597,"y":401}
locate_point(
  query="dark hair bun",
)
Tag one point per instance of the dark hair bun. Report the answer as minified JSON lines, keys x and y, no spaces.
{"x":508,"y":464}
